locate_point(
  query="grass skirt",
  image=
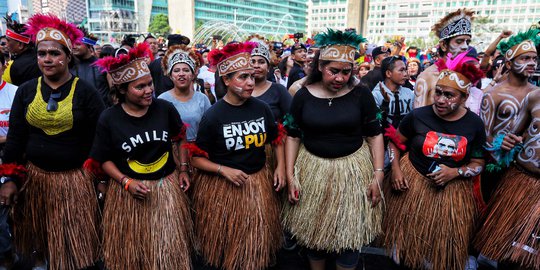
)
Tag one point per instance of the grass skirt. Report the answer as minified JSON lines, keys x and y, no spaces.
{"x":57,"y":214}
{"x":155,"y":233}
{"x":237,"y":227}
{"x":511,"y":231}
{"x":334,"y":213}
{"x":427,"y":226}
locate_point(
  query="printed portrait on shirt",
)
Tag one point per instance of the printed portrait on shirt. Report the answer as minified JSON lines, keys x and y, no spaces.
{"x":443,"y":146}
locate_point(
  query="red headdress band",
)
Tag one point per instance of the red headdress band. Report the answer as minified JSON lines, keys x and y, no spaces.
{"x":17,"y":37}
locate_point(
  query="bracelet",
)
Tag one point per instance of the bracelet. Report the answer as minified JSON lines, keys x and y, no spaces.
{"x":219,"y":169}
{"x":126,"y":186}
{"x":123,"y":180}
{"x":184,"y":164}
{"x":378,"y":170}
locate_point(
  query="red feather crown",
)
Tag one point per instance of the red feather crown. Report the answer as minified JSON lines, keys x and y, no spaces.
{"x":134,"y":61}
{"x":465,"y":70}
{"x":233,"y":57}
{"x":42,"y":27}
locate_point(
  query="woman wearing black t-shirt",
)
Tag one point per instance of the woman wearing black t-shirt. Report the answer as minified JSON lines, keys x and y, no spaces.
{"x":52,"y":125}
{"x":146,"y":220}
{"x":236,"y":207}
{"x":431,"y":210}
{"x":273,"y":94}
{"x":334,"y":178}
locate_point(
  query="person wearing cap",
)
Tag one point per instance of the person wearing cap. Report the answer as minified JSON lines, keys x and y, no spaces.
{"x":138,"y":144}
{"x":503,"y":102}
{"x":298,"y":55}
{"x":374,"y":76}
{"x":334,"y":175}
{"x":52,"y":125}
{"x":22,"y":66}
{"x":85,"y":68}
{"x":181,"y":64}
{"x":510,"y":231}
{"x":234,"y":196}
{"x":454,"y":32}
{"x":431,"y":209}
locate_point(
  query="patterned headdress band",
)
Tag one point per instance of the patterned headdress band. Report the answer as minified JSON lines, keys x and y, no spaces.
{"x":520,"y":43}
{"x":338,"y":46}
{"x":127,"y":67}
{"x":42,"y":27}
{"x":519,"y":49}
{"x":459,"y":73}
{"x":180,"y":57}
{"x":262,"y":51}
{"x":232,"y":58}
{"x":454,"y":24}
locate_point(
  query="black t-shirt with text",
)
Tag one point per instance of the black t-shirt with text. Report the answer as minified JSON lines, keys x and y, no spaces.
{"x":140,"y":147}
{"x":432,"y":141}
{"x":235,"y":136}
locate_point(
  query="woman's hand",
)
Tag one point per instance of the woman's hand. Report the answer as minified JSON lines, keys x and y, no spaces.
{"x":8,"y":193}
{"x":184,"y":181}
{"x":293,"y":193}
{"x":374,"y":192}
{"x":398,"y":180}
{"x":237,"y":177}
{"x":138,"y":190}
{"x":444,"y":175}
{"x":279,"y":177}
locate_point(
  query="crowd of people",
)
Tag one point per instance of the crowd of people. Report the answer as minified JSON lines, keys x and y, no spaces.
{"x":144,"y":157}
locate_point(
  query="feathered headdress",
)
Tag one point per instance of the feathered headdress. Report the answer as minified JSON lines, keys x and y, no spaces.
{"x":459,"y":73}
{"x":15,"y":30}
{"x":233,"y":57}
{"x":47,"y":27}
{"x":179,"y":54}
{"x":519,"y":44}
{"x":338,"y":46}
{"x":126,"y":67}
{"x":454,"y":24}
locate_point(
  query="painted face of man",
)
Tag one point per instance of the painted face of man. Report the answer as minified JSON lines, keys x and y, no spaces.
{"x":458,"y":44}
{"x":525,"y":64}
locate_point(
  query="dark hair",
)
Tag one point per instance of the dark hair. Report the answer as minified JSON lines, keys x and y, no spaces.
{"x":316,"y":74}
{"x":106,"y":50}
{"x":389,"y":63}
{"x":116,"y":91}
{"x":2,"y":59}
{"x":446,"y":43}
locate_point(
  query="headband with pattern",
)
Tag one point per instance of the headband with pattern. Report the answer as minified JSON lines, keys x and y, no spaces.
{"x":48,"y":27}
{"x":127,"y":67}
{"x":454,"y":24}
{"x":338,"y":46}
{"x":232,"y":58}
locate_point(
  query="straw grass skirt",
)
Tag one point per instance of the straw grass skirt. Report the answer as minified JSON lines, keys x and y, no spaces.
{"x":57,"y":215}
{"x":511,"y":231}
{"x":155,"y":233}
{"x":237,"y":227}
{"x":334,"y":213}
{"x":430,"y":227}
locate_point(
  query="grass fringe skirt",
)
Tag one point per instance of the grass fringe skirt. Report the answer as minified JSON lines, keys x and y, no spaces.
{"x":429,"y":227}
{"x":334,"y":213}
{"x":155,"y":233}
{"x":237,"y":227}
{"x":511,"y":231}
{"x":57,"y":215}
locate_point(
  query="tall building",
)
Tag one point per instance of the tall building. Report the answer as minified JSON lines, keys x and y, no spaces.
{"x":248,"y":16}
{"x":17,"y":8}
{"x":70,"y":10}
{"x":337,"y":14}
{"x":414,"y":18}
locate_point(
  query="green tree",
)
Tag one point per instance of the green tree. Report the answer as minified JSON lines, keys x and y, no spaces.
{"x":159,"y":24}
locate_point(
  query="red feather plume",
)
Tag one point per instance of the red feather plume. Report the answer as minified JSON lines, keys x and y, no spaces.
{"x":110,"y":63}
{"x":40,"y":21}
{"x":216,"y":56}
{"x":94,"y":167}
{"x":391,"y":133}
{"x":282,"y":134}
{"x":462,"y":64}
{"x":13,"y":169}
{"x":194,"y":150}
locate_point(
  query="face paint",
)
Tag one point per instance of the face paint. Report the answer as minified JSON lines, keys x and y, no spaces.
{"x":520,"y":68}
{"x":61,"y":62}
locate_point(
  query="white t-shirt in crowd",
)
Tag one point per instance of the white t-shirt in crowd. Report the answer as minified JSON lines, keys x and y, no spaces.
{"x":7,"y":93}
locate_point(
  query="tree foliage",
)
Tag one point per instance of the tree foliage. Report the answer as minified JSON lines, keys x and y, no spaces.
{"x":159,"y":24}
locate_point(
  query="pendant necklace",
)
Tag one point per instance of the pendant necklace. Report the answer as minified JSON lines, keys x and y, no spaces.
{"x":330,"y":101}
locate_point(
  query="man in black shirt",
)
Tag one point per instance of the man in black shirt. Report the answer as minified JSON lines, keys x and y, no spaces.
{"x":84,"y":52}
{"x":375,"y":76}
{"x":299,"y":56}
{"x":22,"y":66}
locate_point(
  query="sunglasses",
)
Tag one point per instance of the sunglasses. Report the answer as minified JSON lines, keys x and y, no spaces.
{"x":52,"y":104}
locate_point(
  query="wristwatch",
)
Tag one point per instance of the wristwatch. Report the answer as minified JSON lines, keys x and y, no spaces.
{"x":460,"y":171}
